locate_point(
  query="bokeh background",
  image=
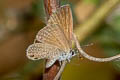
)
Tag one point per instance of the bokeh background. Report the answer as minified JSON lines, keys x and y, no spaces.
{"x":20,"y":20}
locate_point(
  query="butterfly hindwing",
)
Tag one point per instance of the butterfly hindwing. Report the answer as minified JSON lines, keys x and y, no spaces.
{"x":42,"y":50}
{"x":38,"y":51}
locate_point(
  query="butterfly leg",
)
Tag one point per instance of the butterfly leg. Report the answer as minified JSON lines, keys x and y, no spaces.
{"x":68,"y":60}
{"x":50,"y":62}
{"x":60,"y":62}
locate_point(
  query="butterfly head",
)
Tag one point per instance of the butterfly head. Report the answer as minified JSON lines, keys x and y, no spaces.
{"x":67,"y":55}
{"x":71,"y":53}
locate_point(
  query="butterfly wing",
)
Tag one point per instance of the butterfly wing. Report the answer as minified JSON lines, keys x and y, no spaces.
{"x":43,"y":51}
{"x":55,"y":38}
{"x":52,"y":34}
{"x":63,"y":17}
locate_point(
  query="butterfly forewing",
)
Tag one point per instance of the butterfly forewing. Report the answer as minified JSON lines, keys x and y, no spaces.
{"x":63,"y":17}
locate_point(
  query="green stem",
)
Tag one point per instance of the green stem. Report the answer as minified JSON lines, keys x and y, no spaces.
{"x":85,"y":29}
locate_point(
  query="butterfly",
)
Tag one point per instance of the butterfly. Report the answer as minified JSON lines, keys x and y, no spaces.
{"x":54,"y":41}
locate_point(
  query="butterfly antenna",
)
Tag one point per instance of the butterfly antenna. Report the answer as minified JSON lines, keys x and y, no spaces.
{"x":90,"y":44}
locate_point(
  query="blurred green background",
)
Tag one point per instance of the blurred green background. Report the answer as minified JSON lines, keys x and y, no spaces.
{"x":20,"y":20}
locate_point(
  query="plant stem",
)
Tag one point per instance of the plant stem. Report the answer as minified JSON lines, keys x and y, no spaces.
{"x":50,"y":7}
{"x":84,"y":54}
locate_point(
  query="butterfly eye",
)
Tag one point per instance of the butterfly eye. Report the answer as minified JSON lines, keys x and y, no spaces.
{"x":73,"y":52}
